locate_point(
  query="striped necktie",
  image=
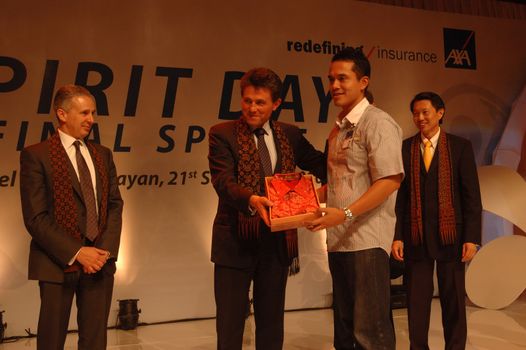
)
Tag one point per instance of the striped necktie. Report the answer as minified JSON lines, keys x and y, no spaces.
{"x":92,"y":230}
{"x":264,"y":154}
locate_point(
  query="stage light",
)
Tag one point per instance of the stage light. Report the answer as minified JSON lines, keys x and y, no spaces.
{"x":3,"y":326}
{"x":128,"y":314}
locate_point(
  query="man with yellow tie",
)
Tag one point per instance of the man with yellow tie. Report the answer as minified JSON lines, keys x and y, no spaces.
{"x":438,"y":211}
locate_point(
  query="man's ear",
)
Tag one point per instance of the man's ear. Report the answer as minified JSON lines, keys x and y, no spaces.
{"x":61,"y":115}
{"x":276,"y":104}
{"x":364,"y":82}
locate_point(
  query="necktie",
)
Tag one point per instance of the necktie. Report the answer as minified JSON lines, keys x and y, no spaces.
{"x":86,"y":186}
{"x":428,"y":156}
{"x":264,"y":155}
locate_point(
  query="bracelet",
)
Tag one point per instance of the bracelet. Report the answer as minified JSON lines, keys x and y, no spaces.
{"x":348,"y":214}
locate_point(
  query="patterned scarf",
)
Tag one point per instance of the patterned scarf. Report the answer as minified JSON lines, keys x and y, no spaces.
{"x":446,"y":213}
{"x":249,"y":174}
{"x":66,"y":212}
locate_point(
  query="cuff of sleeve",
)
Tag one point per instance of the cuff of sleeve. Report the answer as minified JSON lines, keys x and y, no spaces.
{"x":74,"y":258}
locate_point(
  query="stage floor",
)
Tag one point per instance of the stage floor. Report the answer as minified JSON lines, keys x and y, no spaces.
{"x":312,"y":330}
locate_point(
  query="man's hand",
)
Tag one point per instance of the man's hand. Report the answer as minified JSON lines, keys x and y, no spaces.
{"x":92,"y":259}
{"x":468,"y":251}
{"x":328,"y":217}
{"x":260,"y":204}
{"x":397,"y":249}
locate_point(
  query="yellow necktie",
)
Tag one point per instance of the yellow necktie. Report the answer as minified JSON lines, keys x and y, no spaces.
{"x":428,"y":156}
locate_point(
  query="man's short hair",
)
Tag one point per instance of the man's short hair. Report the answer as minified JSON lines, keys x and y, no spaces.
{"x":434,"y":98}
{"x":263,"y":78}
{"x":361,"y":65}
{"x":369,"y":96}
{"x":66,"y":93}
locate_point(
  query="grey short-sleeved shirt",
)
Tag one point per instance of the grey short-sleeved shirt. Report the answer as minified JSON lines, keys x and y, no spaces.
{"x":357,"y":157}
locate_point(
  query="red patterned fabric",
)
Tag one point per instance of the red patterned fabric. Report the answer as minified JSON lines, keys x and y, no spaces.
{"x":66,"y":211}
{"x":292,"y":194}
{"x":249,"y":176}
{"x":64,"y":203}
{"x":105,"y":186}
{"x":446,"y":215}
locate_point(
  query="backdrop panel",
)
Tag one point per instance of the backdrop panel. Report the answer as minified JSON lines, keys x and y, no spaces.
{"x":163,"y":72}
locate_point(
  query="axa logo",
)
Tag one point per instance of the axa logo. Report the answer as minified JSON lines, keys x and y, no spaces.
{"x":459,"y":49}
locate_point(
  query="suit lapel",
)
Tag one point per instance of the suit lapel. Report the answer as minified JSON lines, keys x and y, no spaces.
{"x":277,"y":170}
{"x":97,"y":178}
{"x":75,"y":181}
{"x":74,"y":177}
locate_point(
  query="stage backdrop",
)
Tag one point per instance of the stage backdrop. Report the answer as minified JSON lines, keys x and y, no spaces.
{"x":163,"y":72}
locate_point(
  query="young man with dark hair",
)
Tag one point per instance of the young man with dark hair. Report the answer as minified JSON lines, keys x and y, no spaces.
{"x":241,"y":154}
{"x":364,"y":172}
{"x":438,"y":221}
{"x":72,"y":209}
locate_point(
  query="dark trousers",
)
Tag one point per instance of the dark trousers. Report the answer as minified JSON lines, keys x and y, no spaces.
{"x":231,"y":286}
{"x":361,"y":291}
{"x":93,"y":298}
{"x":419,"y":282}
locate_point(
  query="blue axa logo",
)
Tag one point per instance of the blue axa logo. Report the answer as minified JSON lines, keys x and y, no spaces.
{"x":459,"y":48}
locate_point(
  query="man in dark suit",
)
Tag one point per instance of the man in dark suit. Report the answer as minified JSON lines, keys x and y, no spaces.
{"x":72,"y":209}
{"x":438,"y":211}
{"x":243,"y":248}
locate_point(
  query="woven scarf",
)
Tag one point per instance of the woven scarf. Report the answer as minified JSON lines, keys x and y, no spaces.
{"x":66,"y":211}
{"x":249,"y":174}
{"x":446,"y":213}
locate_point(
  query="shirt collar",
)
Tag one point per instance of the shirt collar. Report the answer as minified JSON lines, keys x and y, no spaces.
{"x":434,"y":139}
{"x":267,"y":128}
{"x":353,"y":117}
{"x":67,"y":140}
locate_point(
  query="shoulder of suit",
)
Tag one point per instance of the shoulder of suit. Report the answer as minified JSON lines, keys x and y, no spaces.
{"x":286,"y":126}
{"x":410,"y":138}
{"x":223,"y":126}
{"x":99,"y":147}
{"x":456,"y":138}
{"x":37,"y":147}
{"x":458,"y":141}
{"x":406,"y":144}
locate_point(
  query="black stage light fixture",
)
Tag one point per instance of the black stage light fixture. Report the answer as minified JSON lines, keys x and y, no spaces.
{"x":3,"y":326}
{"x":128,"y":314}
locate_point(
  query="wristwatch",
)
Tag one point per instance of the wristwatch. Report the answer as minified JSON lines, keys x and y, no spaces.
{"x":348,"y":214}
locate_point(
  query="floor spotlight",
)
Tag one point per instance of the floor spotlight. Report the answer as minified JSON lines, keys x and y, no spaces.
{"x":3,"y":326}
{"x":128,"y":314}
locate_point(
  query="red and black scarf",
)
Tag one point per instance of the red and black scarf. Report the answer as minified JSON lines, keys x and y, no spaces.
{"x":446,"y":213}
{"x":66,"y":211}
{"x":249,"y":177}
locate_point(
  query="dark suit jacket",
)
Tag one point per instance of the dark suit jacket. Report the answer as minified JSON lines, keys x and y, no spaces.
{"x":227,"y":248}
{"x":51,"y":247}
{"x":466,"y":201}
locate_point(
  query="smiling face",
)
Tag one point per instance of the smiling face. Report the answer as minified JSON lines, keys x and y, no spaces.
{"x":76,"y":116}
{"x":257,"y":106}
{"x":426,"y":117}
{"x":346,"y":88}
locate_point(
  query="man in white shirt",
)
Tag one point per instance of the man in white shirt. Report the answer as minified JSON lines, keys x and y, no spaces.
{"x":364,"y":171}
{"x":438,"y":212}
{"x":72,"y":209}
